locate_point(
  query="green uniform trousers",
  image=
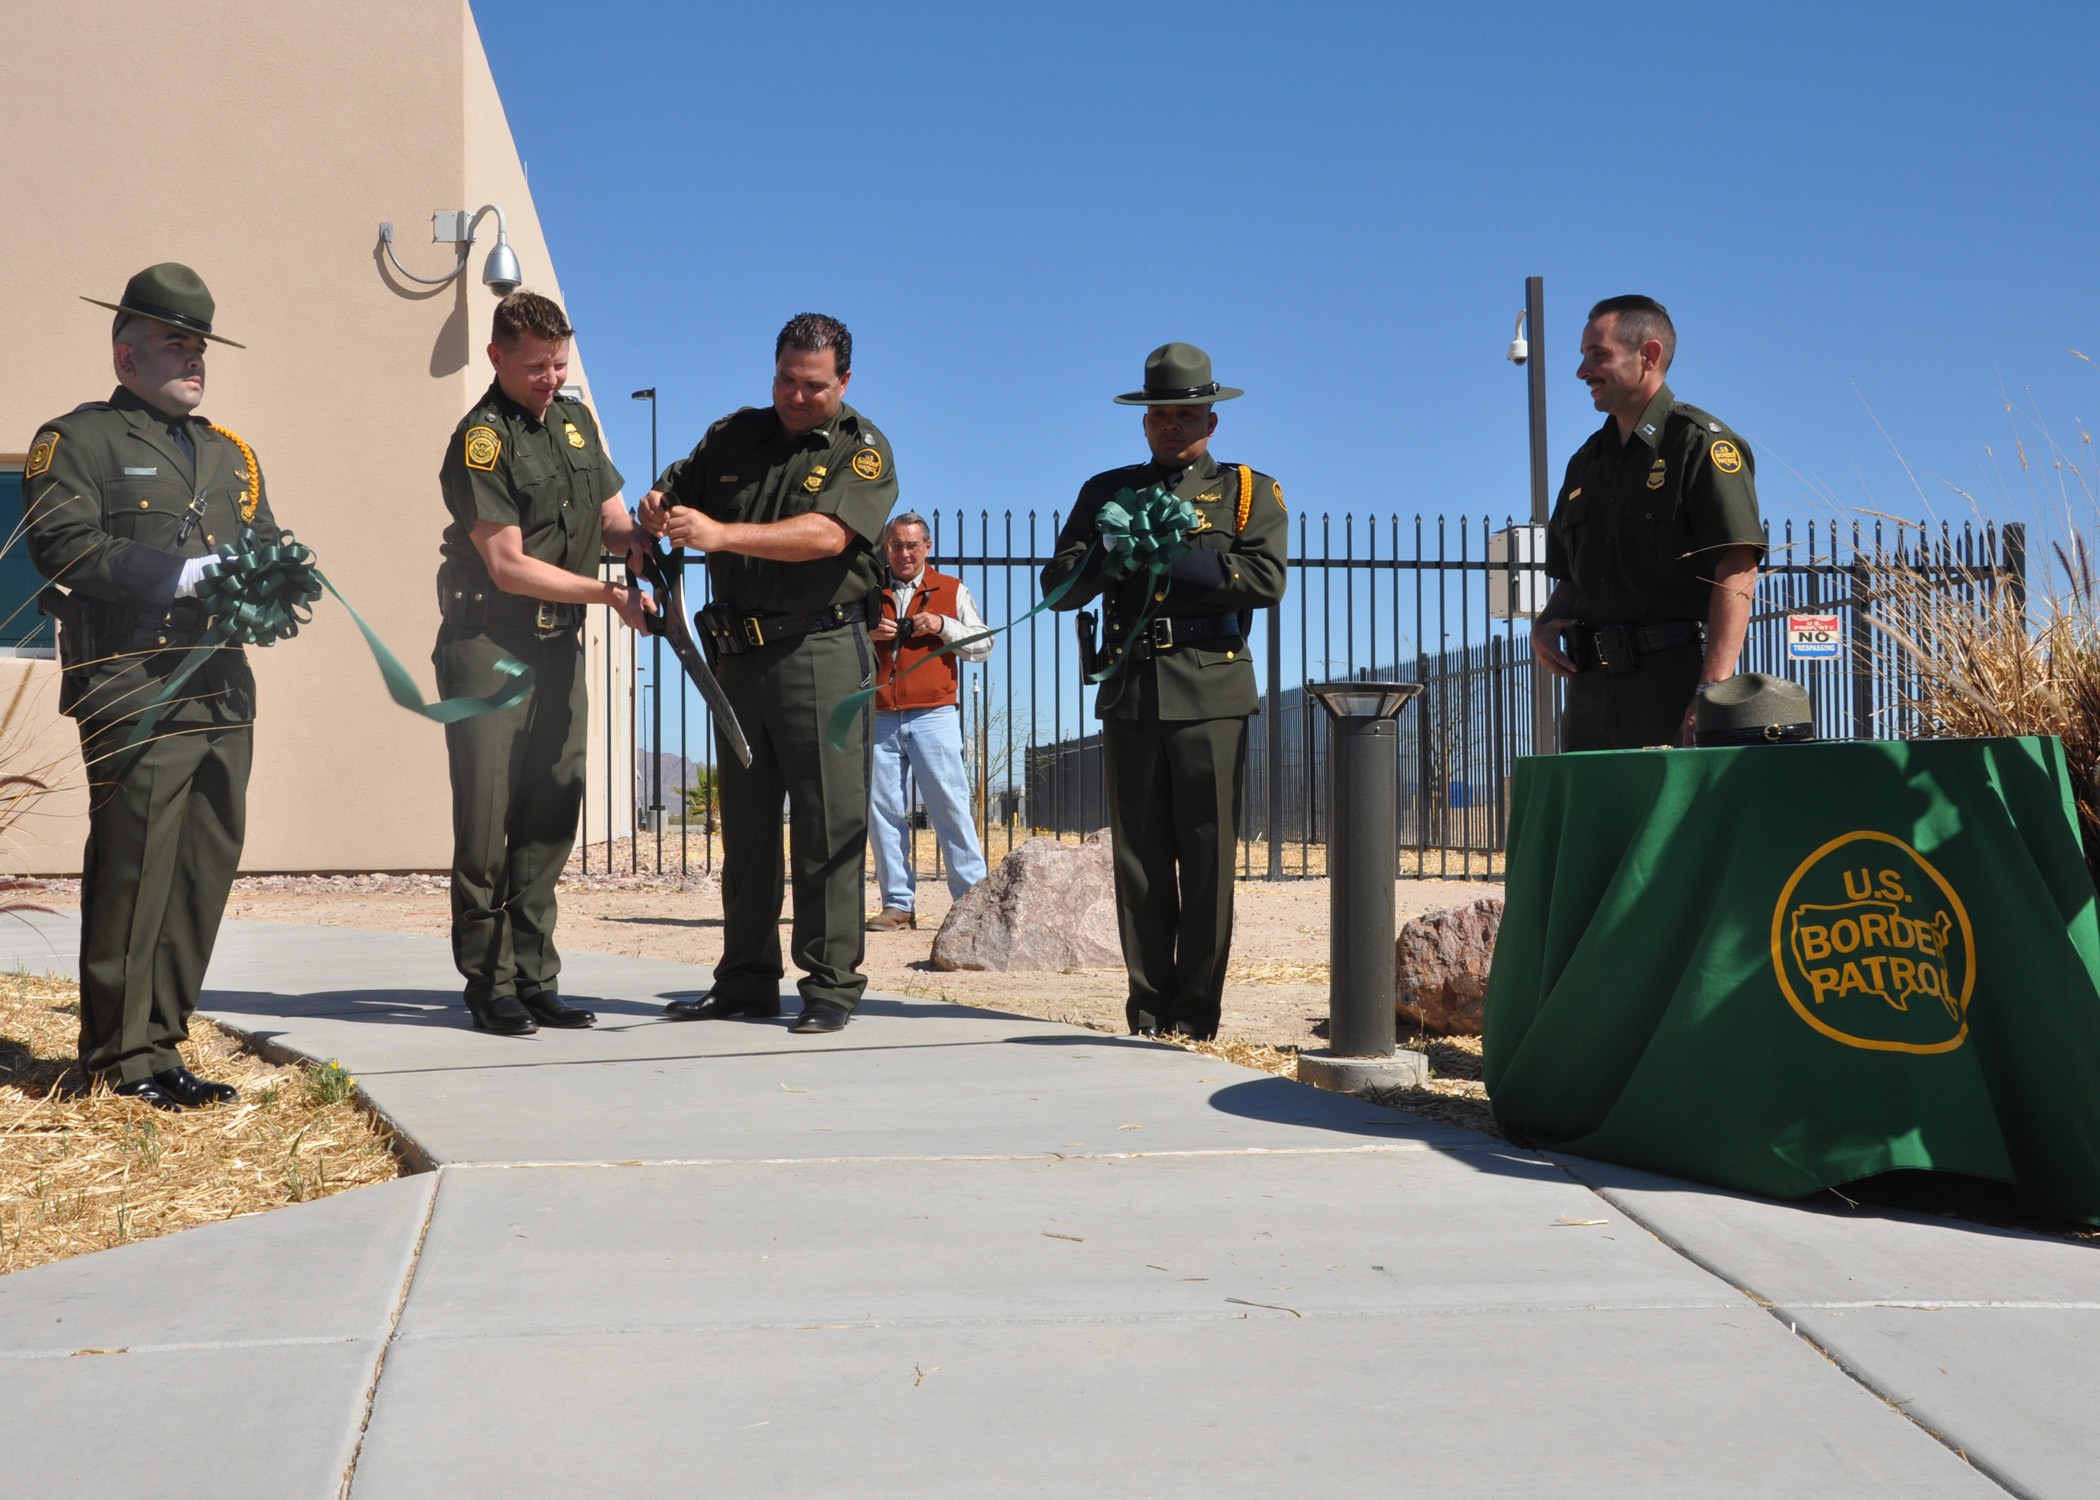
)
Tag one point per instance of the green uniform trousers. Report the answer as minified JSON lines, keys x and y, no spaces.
{"x":1174,"y":810}
{"x":783,"y":693}
{"x":1632,"y":710}
{"x":517,"y":790}
{"x":165,"y":826}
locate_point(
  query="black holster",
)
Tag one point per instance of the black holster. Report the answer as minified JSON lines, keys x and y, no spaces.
{"x":1085,"y":623}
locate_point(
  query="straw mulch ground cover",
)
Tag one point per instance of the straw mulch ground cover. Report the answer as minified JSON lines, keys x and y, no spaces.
{"x":85,"y":1170}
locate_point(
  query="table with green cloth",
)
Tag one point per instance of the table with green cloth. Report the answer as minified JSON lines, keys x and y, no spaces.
{"x":1780,"y":968}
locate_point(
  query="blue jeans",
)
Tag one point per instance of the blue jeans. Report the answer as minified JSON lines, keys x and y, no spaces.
{"x":929,"y":742}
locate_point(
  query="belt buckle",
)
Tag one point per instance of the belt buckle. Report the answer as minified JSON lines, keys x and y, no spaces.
{"x":544,"y":616}
{"x":753,"y":634}
{"x":1162,"y":634}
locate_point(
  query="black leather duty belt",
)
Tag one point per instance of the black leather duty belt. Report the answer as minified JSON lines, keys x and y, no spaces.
{"x":733,"y":633}
{"x":534,"y":614}
{"x":1171,"y":632}
{"x":1618,"y":649}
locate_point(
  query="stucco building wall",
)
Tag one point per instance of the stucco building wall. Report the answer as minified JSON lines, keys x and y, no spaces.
{"x":263,"y":144}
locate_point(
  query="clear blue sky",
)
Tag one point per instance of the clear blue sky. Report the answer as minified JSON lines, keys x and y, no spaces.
{"x":1844,"y":206}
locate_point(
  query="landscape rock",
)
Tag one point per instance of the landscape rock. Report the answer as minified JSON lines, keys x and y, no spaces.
{"x":1440,"y":966}
{"x":1049,"y":905}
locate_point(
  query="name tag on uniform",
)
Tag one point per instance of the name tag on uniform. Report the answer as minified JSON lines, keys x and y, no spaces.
{"x":129,"y":472}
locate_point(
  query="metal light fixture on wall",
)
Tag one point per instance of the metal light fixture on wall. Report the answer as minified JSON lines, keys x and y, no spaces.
{"x":500,"y":273}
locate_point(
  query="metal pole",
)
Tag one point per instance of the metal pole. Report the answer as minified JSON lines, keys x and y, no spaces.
{"x":1272,"y":739}
{"x":1364,"y":831}
{"x":656,"y":678}
{"x":1545,"y":731}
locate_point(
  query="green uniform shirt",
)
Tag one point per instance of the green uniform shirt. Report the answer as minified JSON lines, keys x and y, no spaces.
{"x":547,"y":478}
{"x":113,"y":505}
{"x":1638,"y":526}
{"x":748,"y":468}
{"x":1230,"y":568}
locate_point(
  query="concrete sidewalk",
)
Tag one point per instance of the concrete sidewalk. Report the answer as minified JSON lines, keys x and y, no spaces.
{"x":955,"y":1253}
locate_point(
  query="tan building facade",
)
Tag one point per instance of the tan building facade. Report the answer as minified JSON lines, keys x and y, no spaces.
{"x":263,"y":144}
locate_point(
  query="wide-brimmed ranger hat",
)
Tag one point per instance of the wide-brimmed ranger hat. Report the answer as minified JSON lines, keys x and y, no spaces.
{"x":1178,"y":375}
{"x":1753,"y":708}
{"x":172,"y":294}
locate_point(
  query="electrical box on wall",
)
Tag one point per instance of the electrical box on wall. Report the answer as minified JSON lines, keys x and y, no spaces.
{"x":1516,"y":572}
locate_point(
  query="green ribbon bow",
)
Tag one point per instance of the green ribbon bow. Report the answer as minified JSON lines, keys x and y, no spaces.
{"x":1145,"y":531}
{"x":262,"y":592}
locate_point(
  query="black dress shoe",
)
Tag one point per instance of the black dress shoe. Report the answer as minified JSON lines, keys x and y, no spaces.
{"x":190,"y":1091}
{"x":549,"y":1009}
{"x":148,"y":1091}
{"x":820,"y":1018}
{"x":708,"y":1006}
{"x":503,"y":1015}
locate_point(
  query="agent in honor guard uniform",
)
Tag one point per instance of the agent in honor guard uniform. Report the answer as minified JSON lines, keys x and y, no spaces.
{"x":1654,"y":545}
{"x":788,"y":502}
{"x":534,"y":497}
{"x":1174,"y":708}
{"x":125,"y":500}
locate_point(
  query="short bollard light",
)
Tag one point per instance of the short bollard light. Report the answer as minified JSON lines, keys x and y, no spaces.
{"x":1363,"y":840}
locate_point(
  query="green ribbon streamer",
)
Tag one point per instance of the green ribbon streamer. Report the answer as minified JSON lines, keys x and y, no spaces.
{"x":1143,"y":531}
{"x":842,"y":715}
{"x":262,"y":592}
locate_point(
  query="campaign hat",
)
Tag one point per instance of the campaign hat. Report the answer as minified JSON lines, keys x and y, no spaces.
{"x":1178,"y":375}
{"x":173,"y":294}
{"x":1753,"y":708}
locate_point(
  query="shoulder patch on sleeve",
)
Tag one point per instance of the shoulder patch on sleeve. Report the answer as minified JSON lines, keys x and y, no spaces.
{"x":483,"y":446}
{"x":40,"y":454}
{"x":868,"y":463}
{"x":1277,"y":490}
{"x":1726,"y":456}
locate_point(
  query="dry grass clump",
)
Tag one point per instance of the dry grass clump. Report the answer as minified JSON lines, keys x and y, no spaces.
{"x":85,"y":1170}
{"x":1982,"y":661}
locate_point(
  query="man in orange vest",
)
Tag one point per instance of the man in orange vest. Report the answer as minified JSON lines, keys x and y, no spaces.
{"x":918,"y":726}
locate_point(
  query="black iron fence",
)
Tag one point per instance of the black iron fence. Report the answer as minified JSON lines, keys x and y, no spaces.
{"x":1369,"y":598}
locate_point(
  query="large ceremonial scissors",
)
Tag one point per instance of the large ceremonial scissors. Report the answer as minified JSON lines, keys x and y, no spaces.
{"x":663,"y":567}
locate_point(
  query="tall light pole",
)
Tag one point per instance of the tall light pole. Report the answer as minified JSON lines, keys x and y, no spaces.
{"x":1530,"y":352}
{"x":656,"y":678}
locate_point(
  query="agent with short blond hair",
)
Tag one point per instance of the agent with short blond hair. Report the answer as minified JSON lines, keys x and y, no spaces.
{"x":534,"y":498}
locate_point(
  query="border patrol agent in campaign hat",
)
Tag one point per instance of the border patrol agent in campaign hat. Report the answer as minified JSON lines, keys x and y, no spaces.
{"x":1178,"y":375}
{"x":170,"y":293}
{"x":125,"y":501}
{"x":1174,"y":710}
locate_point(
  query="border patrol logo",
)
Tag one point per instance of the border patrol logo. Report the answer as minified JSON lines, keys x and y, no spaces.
{"x":1657,"y":473}
{"x":868,"y":464}
{"x":482,"y":448}
{"x":1277,"y":490}
{"x":1873,"y":947}
{"x":575,"y":437}
{"x":1727,"y":457}
{"x":40,"y":456}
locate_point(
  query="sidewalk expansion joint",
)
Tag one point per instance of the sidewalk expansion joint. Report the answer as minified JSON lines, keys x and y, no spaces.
{"x":1044,"y":1158}
{"x":393,"y":1329}
{"x":1240,"y":1311}
{"x":200,"y":1346}
{"x":1900,"y":1405}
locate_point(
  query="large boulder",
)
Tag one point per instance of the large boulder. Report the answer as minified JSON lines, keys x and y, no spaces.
{"x":1440,"y":967}
{"x":1048,"y":906}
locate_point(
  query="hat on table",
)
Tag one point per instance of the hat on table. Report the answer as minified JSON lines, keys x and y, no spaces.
{"x":1753,"y":708}
{"x":1178,"y":375}
{"x":172,"y":294}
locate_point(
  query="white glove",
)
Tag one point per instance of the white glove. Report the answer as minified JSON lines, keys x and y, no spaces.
{"x":193,"y":569}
